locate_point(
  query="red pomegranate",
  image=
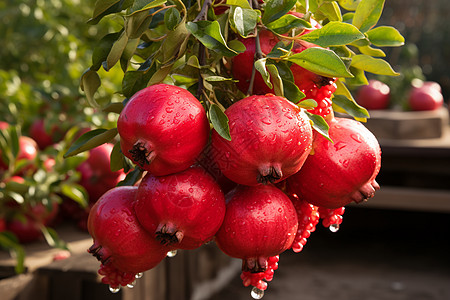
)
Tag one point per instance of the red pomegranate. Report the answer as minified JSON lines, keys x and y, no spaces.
{"x":340,"y":172}
{"x":28,"y":151}
{"x":120,"y":243}
{"x":162,"y":129}
{"x":260,"y":222}
{"x":184,"y":209}
{"x":270,"y":140}
{"x":44,"y":137}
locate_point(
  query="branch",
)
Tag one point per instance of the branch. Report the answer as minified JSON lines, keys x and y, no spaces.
{"x":258,"y":55}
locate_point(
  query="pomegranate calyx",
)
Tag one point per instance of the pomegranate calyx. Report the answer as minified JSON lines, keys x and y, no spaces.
{"x":99,"y":253}
{"x":168,"y":234}
{"x":142,"y":153}
{"x":254,"y":264}
{"x":366,"y":192}
{"x":269,"y":174}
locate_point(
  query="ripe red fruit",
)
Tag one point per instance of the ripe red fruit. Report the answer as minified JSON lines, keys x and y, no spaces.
{"x":43,"y":137}
{"x":270,"y":140}
{"x":375,"y":95}
{"x":3,"y":125}
{"x":184,"y":209}
{"x":316,"y":87}
{"x":28,"y":151}
{"x":340,"y":172}
{"x":425,"y":96}
{"x":308,"y":217}
{"x":162,"y":129}
{"x":120,"y":243}
{"x":260,"y":222}
{"x":96,"y":175}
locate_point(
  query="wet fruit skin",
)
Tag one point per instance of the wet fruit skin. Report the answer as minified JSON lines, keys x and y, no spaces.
{"x":119,"y":239}
{"x":184,"y":210}
{"x":341,"y":172}
{"x":270,"y":140}
{"x":162,"y":129}
{"x":260,"y":222}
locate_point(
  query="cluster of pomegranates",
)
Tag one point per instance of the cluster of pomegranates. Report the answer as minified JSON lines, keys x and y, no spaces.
{"x":256,"y":194}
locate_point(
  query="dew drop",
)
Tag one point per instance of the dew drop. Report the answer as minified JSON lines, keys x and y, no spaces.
{"x":169,"y":109}
{"x":356,"y":138}
{"x":132,"y":284}
{"x":266,"y":121}
{"x":339,"y":145}
{"x":334,"y":227}
{"x":139,"y":275}
{"x":172,"y":253}
{"x":257,"y":293}
{"x":114,"y":290}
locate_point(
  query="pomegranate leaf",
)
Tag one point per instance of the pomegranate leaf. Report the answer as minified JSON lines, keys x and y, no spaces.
{"x":172,"y":18}
{"x":106,"y":7}
{"x":260,"y":66}
{"x":350,"y":5}
{"x":244,"y":20}
{"x":277,"y":82}
{"x":113,"y":107}
{"x":90,"y":82}
{"x":134,"y":81}
{"x":240,"y":3}
{"x":292,"y":92}
{"x":102,"y":49}
{"x":385,"y":36}
{"x":136,"y":24}
{"x":116,"y":51}
{"x":334,"y":34}
{"x":288,"y":22}
{"x":351,"y":107}
{"x":117,"y":158}
{"x":373,"y":65}
{"x":319,"y":124}
{"x":75,"y":192}
{"x":132,"y":177}
{"x":367,"y":14}
{"x":331,"y":11}
{"x":53,"y":239}
{"x":90,"y":140}
{"x":219,"y":121}
{"x":145,"y":5}
{"x":275,"y":9}
{"x":321,"y":61}
{"x":10,"y":242}
{"x":368,"y":50}
{"x":359,"y":79}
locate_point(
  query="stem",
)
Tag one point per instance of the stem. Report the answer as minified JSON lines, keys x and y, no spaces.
{"x":203,"y":14}
{"x":258,"y":55}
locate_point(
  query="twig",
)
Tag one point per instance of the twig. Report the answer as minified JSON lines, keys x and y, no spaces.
{"x":258,"y":55}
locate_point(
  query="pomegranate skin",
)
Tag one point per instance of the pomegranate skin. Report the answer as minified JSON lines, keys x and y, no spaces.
{"x":184,"y":210}
{"x":118,"y":237}
{"x":260,"y":222}
{"x":342,"y":172}
{"x":270,"y":140}
{"x":162,"y":129}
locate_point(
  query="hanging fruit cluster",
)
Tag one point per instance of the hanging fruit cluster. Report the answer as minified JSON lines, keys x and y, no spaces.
{"x":227,"y":129}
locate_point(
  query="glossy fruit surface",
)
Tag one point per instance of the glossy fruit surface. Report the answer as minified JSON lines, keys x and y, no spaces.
{"x":341,"y":172}
{"x":44,"y":137}
{"x":163,"y":128}
{"x":118,"y":237}
{"x":260,"y":222}
{"x":425,"y":96}
{"x":373,"y":96}
{"x":270,"y":140}
{"x":184,"y":210}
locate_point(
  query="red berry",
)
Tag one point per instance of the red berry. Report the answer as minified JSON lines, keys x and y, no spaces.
{"x":308,"y":217}
{"x":270,"y":140}
{"x":260,"y":222}
{"x":120,"y":243}
{"x":184,"y":210}
{"x":162,"y":129}
{"x":340,"y":172}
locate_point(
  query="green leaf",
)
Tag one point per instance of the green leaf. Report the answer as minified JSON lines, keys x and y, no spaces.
{"x":52,"y":238}
{"x":280,"y":50}
{"x":103,"y":8}
{"x":240,"y":3}
{"x":102,"y":49}
{"x":90,"y":140}
{"x":275,"y":9}
{"x":288,"y":22}
{"x":385,"y":36}
{"x":75,"y":192}
{"x":276,"y":80}
{"x":145,"y":5}
{"x":373,"y":65}
{"x":219,"y":121}
{"x":215,"y":78}
{"x":136,"y":24}
{"x":244,"y":20}
{"x":359,"y":79}
{"x":331,"y":11}
{"x":117,"y":158}
{"x":292,"y":92}
{"x":320,"y":125}
{"x":114,"y":107}
{"x":368,"y":50}
{"x":172,"y":18}
{"x":351,"y":107}
{"x":90,"y":82}
{"x":334,"y":34}
{"x":209,"y":34}
{"x":116,"y":51}
{"x":174,"y":44}
{"x":322,"y":62}
{"x":131,"y":178}
{"x":134,"y":81}
{"x":260,"y":66}
{"x":307,"y":103}
{"x":9,"y":241}
{"x":13,"y":141}
{"x":350,"y":5}
{"x":367,"y":14}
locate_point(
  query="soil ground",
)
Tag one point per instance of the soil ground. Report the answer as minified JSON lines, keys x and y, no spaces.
{"x":376,"y":255}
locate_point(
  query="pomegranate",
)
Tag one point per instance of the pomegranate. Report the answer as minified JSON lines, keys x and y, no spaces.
{"x":184,"y":209}
{"x":425,"y":96}
{"x":260,"y":222}
{"x":120,"y":243}
{"x":316,"y":87}
{"x":3,"y":125}
{"x":162,"y":129}
{"x":308,"y":217}
{"x":331,"y":218}
{"x":373,"y":96}
{"x":28,"y":151}
{"x":43,"y":137}
{"x":270,"y":140}
{"x":340,"y":172}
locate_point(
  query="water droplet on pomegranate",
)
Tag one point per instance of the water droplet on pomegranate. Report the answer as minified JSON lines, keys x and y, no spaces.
{"x":334,"y":227}
{"x":257,"y":293}
{"x":172,"y":253}
{"x":114,"y":290}
{"x":339,"y":145}
{"x":169,"y":109}
{"x":266,"y":121}
{"x":132,"y":284}
{"x":139,"y":275}
{"x":356,"y":137}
